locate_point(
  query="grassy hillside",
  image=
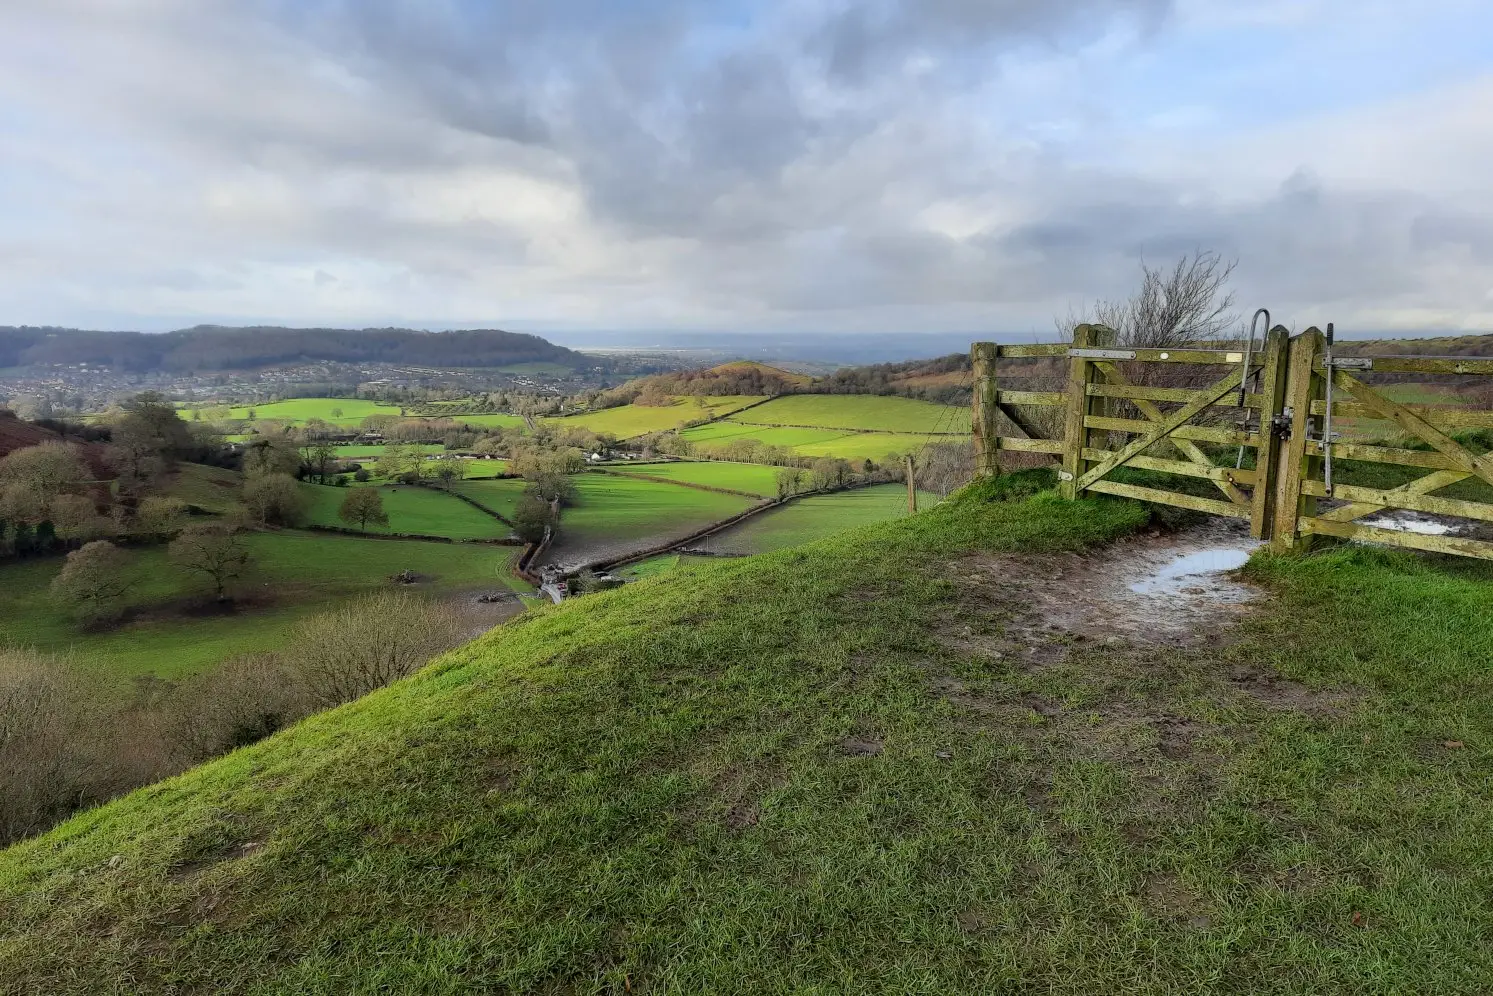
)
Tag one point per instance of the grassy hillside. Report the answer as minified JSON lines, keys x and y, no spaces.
{"x":296,"y":574}
{"x":852,"y":767}
{"x":858,"y":411}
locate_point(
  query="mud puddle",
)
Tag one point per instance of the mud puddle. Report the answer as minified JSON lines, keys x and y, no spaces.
{"x":1170,"y":588}
{"x":1414,"y":522}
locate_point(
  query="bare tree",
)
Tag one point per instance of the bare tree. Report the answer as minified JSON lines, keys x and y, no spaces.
{"x":214,"y":550}
{"x":945,"y":467}
{"x":93,"y":580}
{"x":363,"y":645}
{"x":362,"y":506}
{"x":275,"y":500}
{"x":1185,"y":305}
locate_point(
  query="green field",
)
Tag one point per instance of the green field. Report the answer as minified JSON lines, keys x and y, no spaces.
{"x":210,"y":488}
{"x":611,"y":515}
{"x":426,"y":511}
{"x":856,"y":446}
{"x":815,"y":517}
{"x":858,"y":411}
{"x":299,"y":573}
{"x":491,"y":421}
{"x":752,"y":478}
{"x":866,"y":765}
{"x":354,"y":410}
{"x":628,"y":421}
{"x":499,"y":495}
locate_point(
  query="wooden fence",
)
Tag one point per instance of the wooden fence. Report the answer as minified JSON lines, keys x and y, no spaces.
{"x":1255,"y":423}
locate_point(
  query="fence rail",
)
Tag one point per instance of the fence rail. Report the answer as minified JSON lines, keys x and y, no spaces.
{"x":1249,"y":428}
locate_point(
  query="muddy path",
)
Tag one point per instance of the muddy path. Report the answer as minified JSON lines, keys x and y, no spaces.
{"x":1154,"y":588}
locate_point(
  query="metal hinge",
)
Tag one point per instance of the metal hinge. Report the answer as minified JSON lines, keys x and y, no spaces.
{"x":1280,"y":425}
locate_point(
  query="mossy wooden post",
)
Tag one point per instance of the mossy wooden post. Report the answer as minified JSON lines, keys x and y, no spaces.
{"x":983,"y":423}
{"x":1303,"y":386}
{"x":1081,"y":373}
{"x":912,"y":487}
{"x":1273,"y":373}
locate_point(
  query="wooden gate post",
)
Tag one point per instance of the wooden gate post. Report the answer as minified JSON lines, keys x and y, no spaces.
{"x":912,"y":487}
{"x":982,"y":356}
{"x":1272,"y":401}
{"x":1081,"y":373}
{"x":1303,"y":386}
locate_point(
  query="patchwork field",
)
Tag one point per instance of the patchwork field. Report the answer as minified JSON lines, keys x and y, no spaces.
{"x":296,"y":573}
{"x":421,"y":510}
{"x":628,"y":421}
{"x":343,"y":411}
{"x":611,"y":515}
{"x":858,"y":411}
{"x":753,"y":478}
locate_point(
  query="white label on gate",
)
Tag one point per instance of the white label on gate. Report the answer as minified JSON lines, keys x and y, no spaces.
{"x":1234,"y":358}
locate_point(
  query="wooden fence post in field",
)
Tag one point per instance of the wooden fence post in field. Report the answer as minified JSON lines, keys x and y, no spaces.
{"x":1081,"y":373}
{"x":912,"y":487}
{"x":1303,"y":387}
{"x":1272,"y":400}
{"x":987,"y":435}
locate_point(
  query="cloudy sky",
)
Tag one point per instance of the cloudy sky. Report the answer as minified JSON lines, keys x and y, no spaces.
{"x":792,"y":165}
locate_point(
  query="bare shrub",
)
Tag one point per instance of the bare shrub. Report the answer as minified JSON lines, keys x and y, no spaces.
{"x":365,"y":644}
{"x":241,"y":701}
{"x":1184,"y":306}
{"x":945,"y":467}
{"x":46,"y":716}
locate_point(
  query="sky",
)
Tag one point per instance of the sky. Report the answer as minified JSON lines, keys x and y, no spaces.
{"x":784,"y":165}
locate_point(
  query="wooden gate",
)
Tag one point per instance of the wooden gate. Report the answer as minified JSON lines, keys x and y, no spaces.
{"x":1255,"y":430}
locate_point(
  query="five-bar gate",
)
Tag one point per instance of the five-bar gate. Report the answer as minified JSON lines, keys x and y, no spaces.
{"x":1255,"y":423}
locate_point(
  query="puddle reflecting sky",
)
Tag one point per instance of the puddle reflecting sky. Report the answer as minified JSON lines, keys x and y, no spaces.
{"x":1187,"y":570}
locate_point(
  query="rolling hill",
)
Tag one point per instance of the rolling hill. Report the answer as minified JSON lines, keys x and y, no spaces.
{"x":864,"y":765}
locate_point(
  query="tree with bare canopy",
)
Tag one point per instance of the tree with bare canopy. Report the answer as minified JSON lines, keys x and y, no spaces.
{"x":213,"y":549}
{"x":363,"y":506}
{"x":1185,"y":305}
{"x":93,"y":580}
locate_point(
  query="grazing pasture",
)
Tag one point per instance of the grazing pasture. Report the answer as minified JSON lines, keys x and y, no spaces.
{"x":426,"y":511}
{"x":499,"y":495}
{"x":296,"y":573}
{"x":628,"y":421}
{"x":858,"y":411}
{"x":814,"y":517}
{"x":857,"y":446}
{"x":295,"y":410}
{"x":753,"y":478}
{"x":211,"y":488}
{"x":612,"y":515}
{"x":364,"y":451}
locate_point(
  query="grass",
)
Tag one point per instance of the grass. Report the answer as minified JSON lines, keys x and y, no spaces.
{"x":628,"y":421}
{"x":858,"y":411}
{"x":420,"y":510}
{"x":612,"y":514}
{"x":752,"y":478}
{"x":815,"y":517}
{"x":846,"y":767}
{"x":857,"y":446}
{"x":210,"y":488}
{"x":499,"y":495}
{"x":297,"y":410}
{"x":301,"y":572}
